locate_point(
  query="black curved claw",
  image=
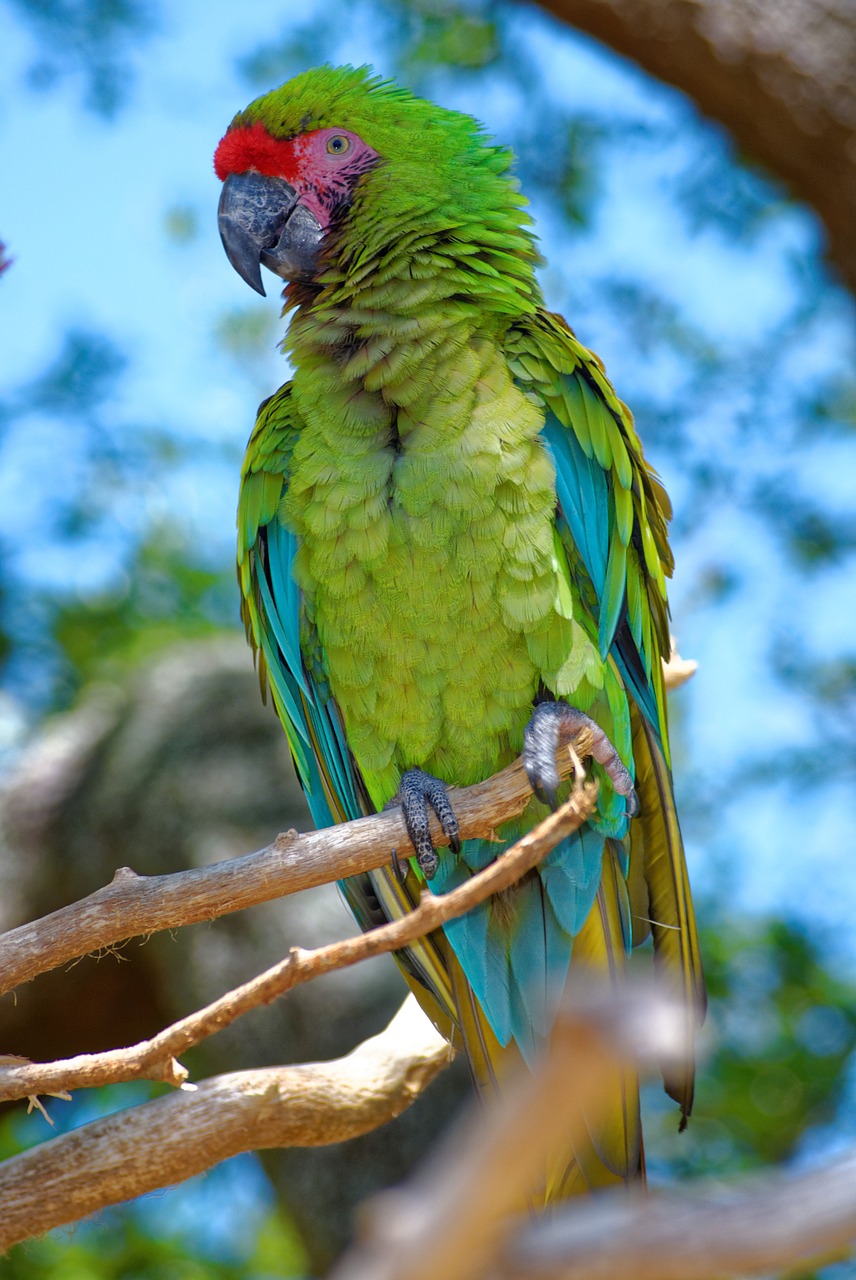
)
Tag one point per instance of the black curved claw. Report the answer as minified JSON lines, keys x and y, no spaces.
{"x":554,"y":723}
{"x":416,"y":791}
{"x":399,"y":869}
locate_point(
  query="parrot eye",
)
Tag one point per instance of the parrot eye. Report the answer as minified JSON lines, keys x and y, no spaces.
{"x":338,"y":145}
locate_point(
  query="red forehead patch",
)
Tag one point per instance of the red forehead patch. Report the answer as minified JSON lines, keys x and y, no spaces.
{"x":252,"y":147}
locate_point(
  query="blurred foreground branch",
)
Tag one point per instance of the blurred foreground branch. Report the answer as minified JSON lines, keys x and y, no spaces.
{"x":460,"y":1217}
{"x":155,"y":1059}
{"x":770,"y":1224}
{"x":166,"y":1141}
{"x":456,"y":1217}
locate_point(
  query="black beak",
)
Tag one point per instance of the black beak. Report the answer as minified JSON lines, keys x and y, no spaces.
{"x":262,"y":221}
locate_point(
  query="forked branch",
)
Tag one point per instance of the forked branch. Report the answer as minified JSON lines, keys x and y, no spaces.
{"x":155,"y":1059}
{"x":166,"y":1141}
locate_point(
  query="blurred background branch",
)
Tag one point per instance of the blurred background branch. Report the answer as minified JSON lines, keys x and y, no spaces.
{"x":779,"y":77}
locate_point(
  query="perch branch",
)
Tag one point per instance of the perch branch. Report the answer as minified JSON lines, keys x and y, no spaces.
{"x":166,"y":1141}
{"x":133,"y":904}
{"x":155,"y":1059}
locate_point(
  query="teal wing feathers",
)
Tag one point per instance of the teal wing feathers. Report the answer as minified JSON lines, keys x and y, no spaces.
{"x":272,"y":617}
{"x":611,"y":520}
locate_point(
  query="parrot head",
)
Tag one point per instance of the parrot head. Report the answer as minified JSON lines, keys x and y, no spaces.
{"x":281,"y":195}
{"x":297,"y":162}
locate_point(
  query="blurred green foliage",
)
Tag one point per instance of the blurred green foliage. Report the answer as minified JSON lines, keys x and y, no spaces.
{"x":157,"y":589}
{"x":94,"y":41}
{"x":127,"y":1251}
{"x":779,"y":1072}
{"x":122,"y":1246}
{"x":164,"y":596}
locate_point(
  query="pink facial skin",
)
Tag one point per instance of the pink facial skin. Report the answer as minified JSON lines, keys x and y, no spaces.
{"x":322,"y":165}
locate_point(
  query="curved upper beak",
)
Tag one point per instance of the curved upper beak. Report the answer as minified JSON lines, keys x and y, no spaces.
{"x":262,"y":221}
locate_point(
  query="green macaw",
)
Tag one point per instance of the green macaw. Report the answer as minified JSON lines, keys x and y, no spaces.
{"x":451,"y":550}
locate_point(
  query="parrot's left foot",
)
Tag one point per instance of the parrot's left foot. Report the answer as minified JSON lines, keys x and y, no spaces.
{"x":416,"y":791}
{"x":553,"y":724}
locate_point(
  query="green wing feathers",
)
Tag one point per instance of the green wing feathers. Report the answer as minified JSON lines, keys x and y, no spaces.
{"x":664,"y":900}
{"x":613,"y":530}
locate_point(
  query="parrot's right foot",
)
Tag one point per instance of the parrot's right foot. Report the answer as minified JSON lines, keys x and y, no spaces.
{"x":553,"y":724}
{"x":416,"y":791}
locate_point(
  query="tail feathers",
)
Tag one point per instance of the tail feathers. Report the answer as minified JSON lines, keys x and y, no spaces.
{"x":489,"y":1061}
{"x":612,"y":1151}
{"x":661,"y":901}
{"x":516,"y":950}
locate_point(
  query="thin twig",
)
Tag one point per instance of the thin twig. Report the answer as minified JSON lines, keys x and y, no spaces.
{"x":155,"y":1059}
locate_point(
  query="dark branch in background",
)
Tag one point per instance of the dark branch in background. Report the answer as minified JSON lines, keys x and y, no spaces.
{"x":779,"y":77}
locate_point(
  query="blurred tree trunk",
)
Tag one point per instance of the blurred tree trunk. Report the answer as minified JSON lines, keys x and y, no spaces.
{"x":781,"y":76}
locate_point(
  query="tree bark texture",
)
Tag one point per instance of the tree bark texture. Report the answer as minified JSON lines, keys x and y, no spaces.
{"x":779,"y":76}
{"x":163,"y":1142}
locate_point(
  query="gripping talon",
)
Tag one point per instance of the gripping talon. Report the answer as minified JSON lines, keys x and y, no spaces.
{"x":551,"y":725}
{"x":399,"y":871}
{"x":416,"y":791}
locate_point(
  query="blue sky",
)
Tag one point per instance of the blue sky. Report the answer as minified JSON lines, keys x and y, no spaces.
{"x":83,"y":210}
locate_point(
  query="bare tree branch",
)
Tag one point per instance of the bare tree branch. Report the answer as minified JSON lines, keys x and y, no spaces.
{"x":677,"y":670}
{"x":133,"y":904}
{"x":155,"y":1059}
{"x":166,"y":1141}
